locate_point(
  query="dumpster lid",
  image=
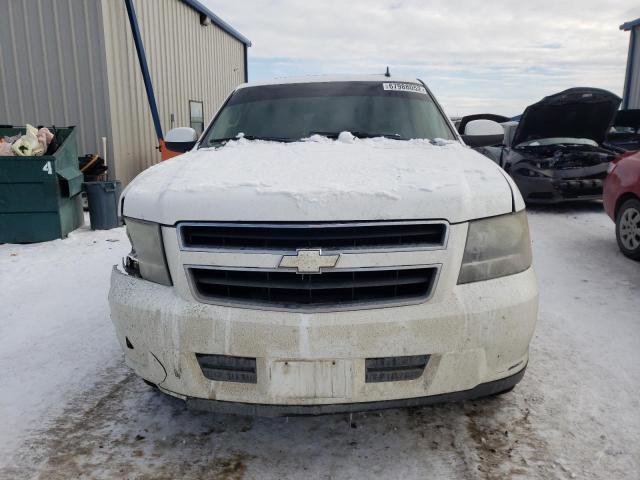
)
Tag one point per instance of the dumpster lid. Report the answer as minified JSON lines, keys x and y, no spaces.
{"x":72,"y":177}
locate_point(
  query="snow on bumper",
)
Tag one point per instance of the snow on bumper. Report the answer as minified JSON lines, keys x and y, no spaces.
{"x":478,"y":333}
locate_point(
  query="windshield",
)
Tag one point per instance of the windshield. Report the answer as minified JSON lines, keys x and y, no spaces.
{"x":290,"y":112}
{"x":542,"y":142}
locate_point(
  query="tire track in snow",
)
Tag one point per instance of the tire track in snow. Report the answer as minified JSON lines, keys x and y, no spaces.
{"x":507,"y":445}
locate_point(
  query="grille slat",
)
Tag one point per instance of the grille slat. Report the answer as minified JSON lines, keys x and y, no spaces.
{"x":292,"y":290}
{"x":312,"y":282}
{"x":320,"y":235}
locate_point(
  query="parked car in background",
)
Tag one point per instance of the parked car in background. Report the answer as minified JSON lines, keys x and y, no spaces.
{"x":622,"y":202}
{"x":329,"y":245}
{"x":556,"y":152}
{"x":625,"y":132}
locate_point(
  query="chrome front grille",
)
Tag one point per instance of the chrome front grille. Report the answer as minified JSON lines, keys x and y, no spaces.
{"x":328,"y":236}
{"x":312,"y":267}
{"x":334,"y":289}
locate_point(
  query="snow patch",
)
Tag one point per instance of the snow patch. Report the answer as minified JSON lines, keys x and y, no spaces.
{"x":346,"y":137}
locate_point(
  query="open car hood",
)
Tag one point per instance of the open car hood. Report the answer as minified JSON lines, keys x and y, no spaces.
{"x":626,"y":136}
{"x":627,"y":118}
{"x":573,"y":113}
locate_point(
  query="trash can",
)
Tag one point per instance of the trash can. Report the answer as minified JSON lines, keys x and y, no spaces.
{"x":103,"y":204}
{"x":40,"y":196}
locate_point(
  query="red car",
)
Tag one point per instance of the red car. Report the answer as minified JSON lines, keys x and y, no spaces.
{"x":621,"y":199}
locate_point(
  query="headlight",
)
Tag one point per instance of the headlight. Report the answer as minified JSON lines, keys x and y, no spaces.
{"x":496,"y":247}
{"x":147,"y":255}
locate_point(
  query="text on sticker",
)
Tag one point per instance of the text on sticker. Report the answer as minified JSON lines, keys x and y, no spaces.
{"x":404,"y":87}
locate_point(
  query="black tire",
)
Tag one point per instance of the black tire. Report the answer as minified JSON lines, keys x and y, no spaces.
{"x":629,"y":247}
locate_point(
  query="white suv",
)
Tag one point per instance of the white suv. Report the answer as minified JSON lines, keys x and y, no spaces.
{"x":328,"y":245}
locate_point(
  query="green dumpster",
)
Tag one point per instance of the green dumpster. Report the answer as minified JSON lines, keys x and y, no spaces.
{"x":40,"y":196}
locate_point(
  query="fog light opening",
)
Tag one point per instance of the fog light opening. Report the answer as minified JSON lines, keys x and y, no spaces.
{"x":395,"y":369}
{"x":128,"y":342}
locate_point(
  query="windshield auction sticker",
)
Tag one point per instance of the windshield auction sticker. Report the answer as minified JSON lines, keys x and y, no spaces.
{"x":404,"y":87}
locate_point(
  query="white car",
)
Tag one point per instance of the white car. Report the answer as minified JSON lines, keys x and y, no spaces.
{"x":329,"y":245}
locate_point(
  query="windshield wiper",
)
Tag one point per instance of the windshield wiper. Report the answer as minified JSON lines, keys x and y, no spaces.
{"x":394,"y":136}
{"x":249,"y":137}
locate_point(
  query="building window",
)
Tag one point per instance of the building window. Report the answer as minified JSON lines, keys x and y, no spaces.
{"x":196,"y":116}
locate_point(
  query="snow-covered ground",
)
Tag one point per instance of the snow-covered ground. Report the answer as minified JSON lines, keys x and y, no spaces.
{"x":69,"y":408}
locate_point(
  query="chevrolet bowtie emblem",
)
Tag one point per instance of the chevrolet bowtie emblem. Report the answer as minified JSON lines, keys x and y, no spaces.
{"x":309,"y":261}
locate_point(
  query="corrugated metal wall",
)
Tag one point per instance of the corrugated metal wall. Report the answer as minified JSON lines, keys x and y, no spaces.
{"x":52,"y":67}
{"x":187,"y":61}
{"x":632,"y":82}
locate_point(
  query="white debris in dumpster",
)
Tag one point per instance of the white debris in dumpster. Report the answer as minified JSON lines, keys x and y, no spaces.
{"x":32,"y":144}
{"x":5,"y":145}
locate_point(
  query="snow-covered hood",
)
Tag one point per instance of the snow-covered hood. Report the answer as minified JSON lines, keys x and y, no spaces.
{"x":321,"y":180}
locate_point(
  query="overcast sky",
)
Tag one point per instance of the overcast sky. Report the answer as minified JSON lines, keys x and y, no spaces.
{"x":477,"y":56}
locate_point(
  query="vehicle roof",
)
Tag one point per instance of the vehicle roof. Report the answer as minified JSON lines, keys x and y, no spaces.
{"x":331,"y":78}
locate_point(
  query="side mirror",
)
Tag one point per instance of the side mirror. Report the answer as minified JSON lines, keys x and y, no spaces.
{"x":483,"y":133}
{"x":181,"y":139}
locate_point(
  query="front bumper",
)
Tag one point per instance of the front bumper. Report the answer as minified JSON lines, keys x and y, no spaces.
{"x":556,"y":190}
{"x":475,"y":334}
{"x":259,"y":410}
{"x":611,"y":192}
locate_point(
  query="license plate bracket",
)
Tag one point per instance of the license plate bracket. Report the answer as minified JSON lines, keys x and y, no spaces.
{"x":311,"y":378}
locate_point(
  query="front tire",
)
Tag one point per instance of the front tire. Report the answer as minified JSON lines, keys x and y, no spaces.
{"x":628,"y":228}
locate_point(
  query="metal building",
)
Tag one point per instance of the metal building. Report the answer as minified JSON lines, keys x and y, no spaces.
{"x":69,"y":62}
{"x":631,"y":96}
